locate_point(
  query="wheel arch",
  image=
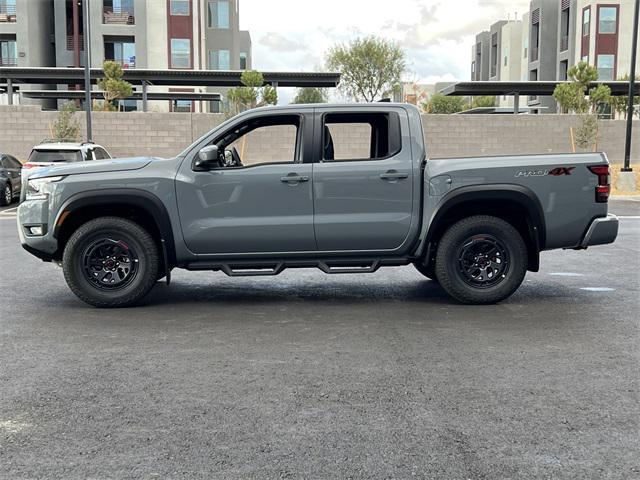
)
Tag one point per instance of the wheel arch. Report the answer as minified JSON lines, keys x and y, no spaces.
{"x":138,"y":205}
{"x":515,"y":204}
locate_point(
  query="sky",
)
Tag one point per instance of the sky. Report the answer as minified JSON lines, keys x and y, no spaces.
{"x":437,"y":35}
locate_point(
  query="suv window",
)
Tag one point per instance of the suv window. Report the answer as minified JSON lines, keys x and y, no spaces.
{"x":13,"y":162}
{"x":100,"y":154}
{"x":273,"y":139}
{"x":55,"y":156}
{"x":360,"y":136}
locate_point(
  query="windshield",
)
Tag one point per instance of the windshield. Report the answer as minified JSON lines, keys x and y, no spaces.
{"x":55,"y":156}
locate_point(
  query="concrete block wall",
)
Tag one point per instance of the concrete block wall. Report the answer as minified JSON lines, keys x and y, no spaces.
{"x":167,"y":134}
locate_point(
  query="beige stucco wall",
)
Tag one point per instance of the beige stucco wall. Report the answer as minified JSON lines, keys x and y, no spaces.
{"x":167,"y":134}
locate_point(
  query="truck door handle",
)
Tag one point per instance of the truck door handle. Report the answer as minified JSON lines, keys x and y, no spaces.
{"x":294,"y":178}
{"x":393,"y":175}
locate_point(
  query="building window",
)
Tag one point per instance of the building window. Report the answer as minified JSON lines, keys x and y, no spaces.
{"x":218,"y":14}
{"x":607,"y":17}
{"x":586,"y":21}
{"x":179,"y":7}
{"x":121,"y":50}
{"x":118,"y":12}
{"x":605,"y":67}
{"x":8,"y":53}
{"x":180,"y":53}
{"x":525,"y":50}
{"x":7,"y":10}
{"x":243,"y":60}
{"x":585,"y":58}
{"x":183,"y":106}
{"x":219,"y":60}
{"x":564,"y":67}
{"x":506,"y":55}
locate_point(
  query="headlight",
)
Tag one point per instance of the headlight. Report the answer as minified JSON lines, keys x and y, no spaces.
{"x":38,"y":188}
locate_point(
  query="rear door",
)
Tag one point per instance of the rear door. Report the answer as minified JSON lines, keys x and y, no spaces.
{"x":362,"y":180}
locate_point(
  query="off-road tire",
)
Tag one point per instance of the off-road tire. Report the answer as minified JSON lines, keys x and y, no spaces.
{"x":451,"y":276}
{"x":120,"y":229}
{"x":429,"y":272}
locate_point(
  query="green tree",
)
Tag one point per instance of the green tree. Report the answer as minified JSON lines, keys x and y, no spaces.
{"x":66,"y":126}
{"x":439,"y":103}
{"x":483,"y":101}
{"x":254,"y":93}
{"x":619,"y":103}
{"x":311,"y":95}
{"x":576,"y":96}
{"x":113,"y":86}
{"x":370,"y":67}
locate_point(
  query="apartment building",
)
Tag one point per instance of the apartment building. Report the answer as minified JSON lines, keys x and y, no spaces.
{"x":26,"y":30}
{"x":543,"y":50}
{"x":480,"y":57}
{"x":150,"y":34}
{"x":510,"y":59}
{"x":603,"y":36}
{"x":557,"y":34}
{"x":156,"y":34}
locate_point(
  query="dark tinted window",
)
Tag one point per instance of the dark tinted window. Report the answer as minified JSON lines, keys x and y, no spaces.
{"x":55,"y":156}
{"x":360,"y":136}
{"x":100,"y":154}
{"x":14,"y":162}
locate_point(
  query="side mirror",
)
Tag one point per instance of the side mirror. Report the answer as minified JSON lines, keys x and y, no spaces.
{"x":207,"y":158}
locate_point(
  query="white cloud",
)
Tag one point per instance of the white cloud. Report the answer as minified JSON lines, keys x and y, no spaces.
{"x":437,"y":35}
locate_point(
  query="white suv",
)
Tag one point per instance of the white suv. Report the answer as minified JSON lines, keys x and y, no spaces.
{"x":53,"y":152}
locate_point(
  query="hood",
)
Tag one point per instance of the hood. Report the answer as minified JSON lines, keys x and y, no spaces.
{"x":95,"y":166}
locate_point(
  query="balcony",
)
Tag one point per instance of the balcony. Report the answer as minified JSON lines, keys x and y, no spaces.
{"x":7,"y":13}
{"x":564,"y":43}
{"x":71,"y":44}
{"x":8,"y":62}
{"x":124,"y":64}
{"x":117,"y":16}
{"x":533,"y":51}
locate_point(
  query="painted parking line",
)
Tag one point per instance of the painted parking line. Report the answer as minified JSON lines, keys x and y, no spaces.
{"x":598,"y":289}
{"x":632,"y":217}
{"x":566,"y":274}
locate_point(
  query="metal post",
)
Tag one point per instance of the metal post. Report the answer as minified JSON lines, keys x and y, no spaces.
{"x":632,"y":82}
{"x":10,"y":91}
{"x":516,"y":103}
{"x":87,"y":68}
{"x":144,"y":96}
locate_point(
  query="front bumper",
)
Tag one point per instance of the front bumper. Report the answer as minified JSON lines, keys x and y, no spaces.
{"x":36,"y":212}
{"x":602,"y":231}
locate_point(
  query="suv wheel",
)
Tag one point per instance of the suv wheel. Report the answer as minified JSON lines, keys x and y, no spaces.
{"x":481,"y":260}
{"x":7,"y":195}
{"x":110,"y":262}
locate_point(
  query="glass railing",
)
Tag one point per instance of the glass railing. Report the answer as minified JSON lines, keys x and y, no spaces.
{"x":119,"y":16}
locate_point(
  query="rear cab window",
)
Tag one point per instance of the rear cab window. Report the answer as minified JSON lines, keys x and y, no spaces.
{"x":51,"y":156}
{"x":360,"y":136}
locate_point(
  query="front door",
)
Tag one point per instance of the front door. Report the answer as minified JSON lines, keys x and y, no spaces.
{"x":258,"y":199}
{"x":363,"y":181}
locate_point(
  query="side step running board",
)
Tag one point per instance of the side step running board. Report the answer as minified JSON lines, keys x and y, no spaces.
{"x":326,"y":268}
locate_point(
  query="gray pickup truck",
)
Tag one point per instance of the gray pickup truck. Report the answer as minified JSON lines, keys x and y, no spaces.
{"x":343,"y":188}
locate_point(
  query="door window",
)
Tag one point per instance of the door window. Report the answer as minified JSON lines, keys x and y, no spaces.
{"x":261,"y":140}
{"x":360,"y":136}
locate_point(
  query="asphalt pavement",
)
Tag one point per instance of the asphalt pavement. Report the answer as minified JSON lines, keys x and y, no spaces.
{"x":306,"y":375}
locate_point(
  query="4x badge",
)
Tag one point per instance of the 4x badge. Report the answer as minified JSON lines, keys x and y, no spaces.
{"x":556,"y":172}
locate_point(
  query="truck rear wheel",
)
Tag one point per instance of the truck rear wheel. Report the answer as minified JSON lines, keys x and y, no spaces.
{"x":481,"y":260}
{"x":110,"y":262}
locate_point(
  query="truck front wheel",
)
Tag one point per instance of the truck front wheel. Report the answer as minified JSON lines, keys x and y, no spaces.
{"x":110,"y":262}
{"x":481,"y":260}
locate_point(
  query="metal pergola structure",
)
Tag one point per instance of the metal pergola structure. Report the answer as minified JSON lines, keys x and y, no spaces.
{"x":11,"y":76}
{"x":98,"y":94}
{"x":515,"y":89}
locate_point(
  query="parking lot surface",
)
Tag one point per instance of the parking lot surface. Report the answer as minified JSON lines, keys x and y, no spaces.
{"x":313,"y":376}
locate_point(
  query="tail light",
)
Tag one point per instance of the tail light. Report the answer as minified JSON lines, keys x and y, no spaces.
{"x":28,"y":165}
{"x":603,"y":189}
